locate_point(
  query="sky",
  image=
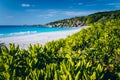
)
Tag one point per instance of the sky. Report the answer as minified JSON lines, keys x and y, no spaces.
{"x":19,"y":12}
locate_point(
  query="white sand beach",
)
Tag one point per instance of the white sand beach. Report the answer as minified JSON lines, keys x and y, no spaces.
{"x":41,"y":38}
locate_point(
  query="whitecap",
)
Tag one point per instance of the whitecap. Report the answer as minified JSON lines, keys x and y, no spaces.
{"x":18,"y":34}
{"x":1,"y":34}
{"x":23,"y":33}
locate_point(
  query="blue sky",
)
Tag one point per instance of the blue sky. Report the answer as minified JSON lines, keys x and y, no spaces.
{"x":17,"y":12}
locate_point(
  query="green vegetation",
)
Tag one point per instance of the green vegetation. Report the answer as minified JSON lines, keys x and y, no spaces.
{"x":1,"y":45}
{"x":91,"y":54}
{"x":86,"y":20}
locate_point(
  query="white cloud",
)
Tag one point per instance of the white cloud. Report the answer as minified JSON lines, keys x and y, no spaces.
{"x":117,"y":5}
{"x":52,"y":13}
{"x":48,"y":13}
{"x":25,"y":5}
{"x":91,"y":5}
{"x":33,"y":10}
{"x":80,"y":3}
{"x":9,"y":16}
{"x":77,"y":13}
{"x":99,"y":0}
{"x":114,"y":4}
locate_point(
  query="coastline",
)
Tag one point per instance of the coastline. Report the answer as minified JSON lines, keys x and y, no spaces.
{"x":41,"y":38}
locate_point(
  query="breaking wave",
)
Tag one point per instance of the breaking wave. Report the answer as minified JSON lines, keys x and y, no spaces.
{"x":17,"y":34}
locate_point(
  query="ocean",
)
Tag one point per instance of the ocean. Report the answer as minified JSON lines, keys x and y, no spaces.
{"x":9,"y":31}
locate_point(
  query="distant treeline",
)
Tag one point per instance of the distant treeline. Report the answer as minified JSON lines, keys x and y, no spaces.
{"x":86,"y":20}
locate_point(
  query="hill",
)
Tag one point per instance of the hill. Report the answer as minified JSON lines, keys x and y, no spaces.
{"x":86,"y":20}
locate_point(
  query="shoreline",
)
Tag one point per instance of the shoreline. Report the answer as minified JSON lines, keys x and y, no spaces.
{"x":41,"y":38}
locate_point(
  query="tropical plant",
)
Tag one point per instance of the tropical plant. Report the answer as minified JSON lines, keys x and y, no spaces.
{"x":91,"y":54}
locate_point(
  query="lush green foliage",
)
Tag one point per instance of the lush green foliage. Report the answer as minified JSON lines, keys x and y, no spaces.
{"x":91,"y":54}
{"x":1,"y":44}
{"x":86,"y":20}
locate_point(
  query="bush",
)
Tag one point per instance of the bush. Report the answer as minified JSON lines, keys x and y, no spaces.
{"x":92,"y":53}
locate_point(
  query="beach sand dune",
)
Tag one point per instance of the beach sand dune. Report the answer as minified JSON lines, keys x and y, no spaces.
{"x":41,"y":38}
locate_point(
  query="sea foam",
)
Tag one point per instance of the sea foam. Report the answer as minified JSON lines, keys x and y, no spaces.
{"x":18,"y":34}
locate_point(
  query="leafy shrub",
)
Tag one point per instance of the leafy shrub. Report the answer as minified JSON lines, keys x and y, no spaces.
{"x":91,"y":54}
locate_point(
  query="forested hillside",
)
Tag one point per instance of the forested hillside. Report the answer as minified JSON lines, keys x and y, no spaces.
{"x":91,"y":54}
{"x":86,"y":20}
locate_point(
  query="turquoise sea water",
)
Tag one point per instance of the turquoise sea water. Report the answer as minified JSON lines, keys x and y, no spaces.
{"x":8,"y":31}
